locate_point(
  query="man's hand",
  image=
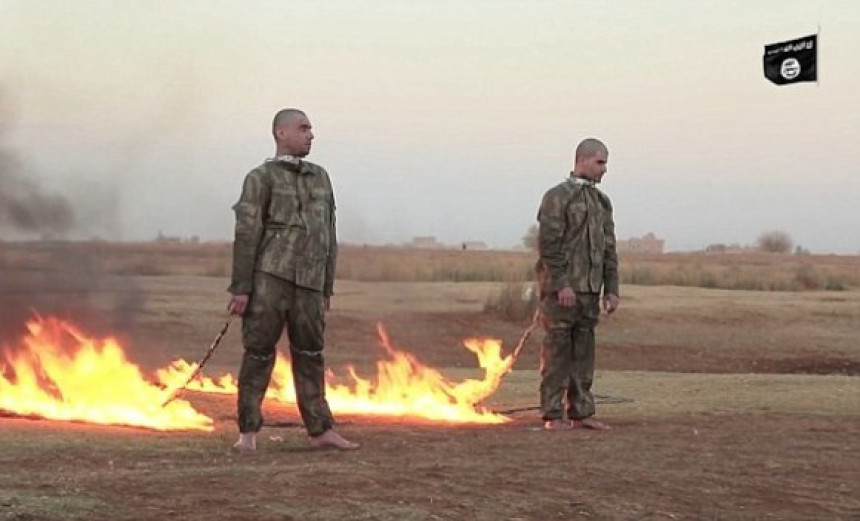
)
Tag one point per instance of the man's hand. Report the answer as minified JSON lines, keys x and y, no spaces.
{"x":237,"y":305}
{"x":328,"y":303}
{"x":611,"y":303}
{"x":566,"y":297}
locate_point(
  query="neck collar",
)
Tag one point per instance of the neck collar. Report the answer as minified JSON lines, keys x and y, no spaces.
{"x":291,"y":162}
{"x":581,"y":181}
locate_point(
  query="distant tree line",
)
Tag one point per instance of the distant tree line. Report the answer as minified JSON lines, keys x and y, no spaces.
{"x":773,"y":241}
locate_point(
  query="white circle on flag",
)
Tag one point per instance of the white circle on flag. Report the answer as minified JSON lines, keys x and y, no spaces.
{"x":790,"y":68}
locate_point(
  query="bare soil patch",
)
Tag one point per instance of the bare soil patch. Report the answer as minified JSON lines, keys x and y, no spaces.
{"x":698,"y":436}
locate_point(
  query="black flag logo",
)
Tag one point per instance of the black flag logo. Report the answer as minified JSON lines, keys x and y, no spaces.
{"x":792,"y":61}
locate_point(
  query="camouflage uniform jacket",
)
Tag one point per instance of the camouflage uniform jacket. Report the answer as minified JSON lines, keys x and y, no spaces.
{"x":576,"y":240}
{"x":285,"y":226}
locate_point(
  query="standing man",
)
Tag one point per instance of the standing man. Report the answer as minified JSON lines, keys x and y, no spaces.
{"x":576,"y":242}
{"x":284,"y":256}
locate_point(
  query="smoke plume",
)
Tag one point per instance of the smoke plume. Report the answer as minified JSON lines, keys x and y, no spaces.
{"x":42,"y":273}
{"x":26,"y":209}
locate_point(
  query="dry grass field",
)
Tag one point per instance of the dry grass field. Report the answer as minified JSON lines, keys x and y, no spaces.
{"x":726,"y":404}
{"x":753,"y":271}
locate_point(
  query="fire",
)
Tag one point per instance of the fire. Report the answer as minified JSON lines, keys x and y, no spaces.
{"x":60,"y":374}
{"x":403,"y":386}
{"x":177,"y":373}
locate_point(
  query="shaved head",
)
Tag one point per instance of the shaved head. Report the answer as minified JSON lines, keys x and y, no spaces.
{"x":284,"y":117}
{"x":590,"y":160}
{"x":589,"y":148}
{"x":291,"y":129}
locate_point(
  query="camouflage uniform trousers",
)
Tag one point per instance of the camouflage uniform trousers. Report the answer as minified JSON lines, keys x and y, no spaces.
{"x":274,"y":304}
{"x":567,"y":356}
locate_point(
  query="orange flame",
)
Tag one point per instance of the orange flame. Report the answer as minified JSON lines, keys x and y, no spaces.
{"x":58,"y":373}
{"x":177,"y":373}
{"x":403,"y":387}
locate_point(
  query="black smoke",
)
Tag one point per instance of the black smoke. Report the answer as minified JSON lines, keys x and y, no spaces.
{"x":42,"y":271}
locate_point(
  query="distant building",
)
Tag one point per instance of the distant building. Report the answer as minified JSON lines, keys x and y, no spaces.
{"x":164,"y":238}
{"x":429,"y":243}
{"x":648,"y":243}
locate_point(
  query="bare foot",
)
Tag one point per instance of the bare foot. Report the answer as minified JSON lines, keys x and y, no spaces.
{"x":556,"y":425}
{"x":246,"y":444}
{"x":589,"y":423}
{"x":331,"y":439}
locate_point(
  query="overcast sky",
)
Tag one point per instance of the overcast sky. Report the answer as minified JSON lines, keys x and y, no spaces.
{"x":439,"y":117}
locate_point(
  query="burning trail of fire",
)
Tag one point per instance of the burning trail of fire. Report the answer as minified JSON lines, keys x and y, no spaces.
{"x":406,"y":387}
{"x":58,"y":373}
{"x":403,"y":387}
{"x":177,"y":373}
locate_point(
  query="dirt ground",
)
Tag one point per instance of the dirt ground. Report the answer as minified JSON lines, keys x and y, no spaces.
{"x":724,"y":405}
